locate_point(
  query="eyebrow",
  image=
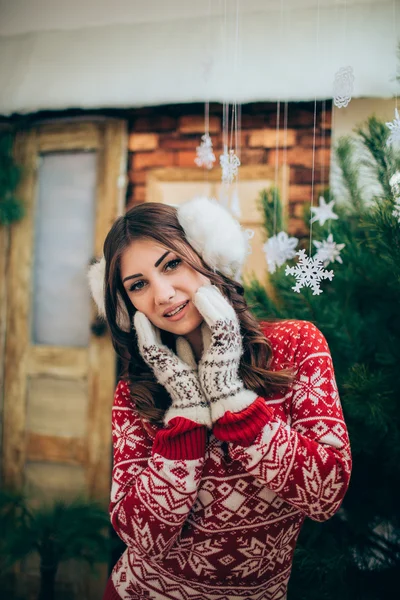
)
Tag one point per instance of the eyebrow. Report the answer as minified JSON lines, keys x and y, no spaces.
{"x":141,"y":274}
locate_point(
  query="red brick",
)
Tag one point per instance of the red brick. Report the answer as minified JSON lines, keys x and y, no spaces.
{"x":142,"y":141}
{"x":159,"y":158}
{"x":266,"y":138}
{"x":139,"y":193}
{"x":325,"y":121}
{"x":303,"y":175}
{"x":299,"y":193}
{"x":323,"y":157}
{"x":195,"y":124}
{"x":298,"y":117}
{"x":297,"y":227}
{"x":253,"y":156}
{"x":301,"y":156}
{"x":253,"y":121}
{"x":181,"y":142}
{"x":185,"y":158}
{"x":307,"y":139}
{"x":155,"y":124}
{"x":294,"y":156}
{"x":296,"y":209}
{"x":137,"y":177}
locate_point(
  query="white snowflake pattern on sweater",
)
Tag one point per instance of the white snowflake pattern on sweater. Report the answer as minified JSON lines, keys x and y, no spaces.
{"x":224,"y":526}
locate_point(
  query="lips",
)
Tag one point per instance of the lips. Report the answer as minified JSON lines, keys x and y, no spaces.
{"x":174,"y":307}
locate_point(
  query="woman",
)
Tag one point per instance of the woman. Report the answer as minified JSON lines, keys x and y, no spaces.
{"x":227,"y":432}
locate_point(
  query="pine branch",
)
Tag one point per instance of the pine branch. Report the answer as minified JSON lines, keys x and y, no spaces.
{"x":374,"y":137}
{"x":270,"y":205}
{"x":344,"y":152}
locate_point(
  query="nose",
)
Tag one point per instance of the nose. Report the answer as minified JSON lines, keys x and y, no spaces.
{"x":164,"y":292}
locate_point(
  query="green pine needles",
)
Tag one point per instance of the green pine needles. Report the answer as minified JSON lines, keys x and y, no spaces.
{"x":57,"y":532}
{"x":355,"y":554}
{"x":11,"y":208}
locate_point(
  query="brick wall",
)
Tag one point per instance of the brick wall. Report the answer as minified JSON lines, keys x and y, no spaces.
{"x":167,"y":136}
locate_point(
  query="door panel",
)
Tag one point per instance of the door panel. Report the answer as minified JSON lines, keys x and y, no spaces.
{"x":59,"y":377}
{"x":63,"y":246}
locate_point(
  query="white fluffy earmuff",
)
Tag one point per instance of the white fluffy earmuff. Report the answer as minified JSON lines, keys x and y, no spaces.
{"x":215,"y":234}
{"x":96,"y":277}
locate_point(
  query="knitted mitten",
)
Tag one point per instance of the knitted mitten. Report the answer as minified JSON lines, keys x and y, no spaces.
{"x":179,"y":378}
{"x":219,"y":364}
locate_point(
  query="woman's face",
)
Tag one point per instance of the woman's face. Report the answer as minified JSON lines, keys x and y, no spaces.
{"x":157,"y":281}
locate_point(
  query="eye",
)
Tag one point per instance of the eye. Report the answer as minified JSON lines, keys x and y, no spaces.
{"x":134,"y":287}
{"x":169,"y":266}
{"x":173,"y":263}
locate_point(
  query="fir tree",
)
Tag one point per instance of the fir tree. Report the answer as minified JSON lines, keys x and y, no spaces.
{"x":356,"y":554}
{"x":11,"y":208}
{"x":57,"y":532}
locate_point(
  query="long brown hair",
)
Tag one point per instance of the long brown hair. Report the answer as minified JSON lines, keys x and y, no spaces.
{"x":159,"y":222}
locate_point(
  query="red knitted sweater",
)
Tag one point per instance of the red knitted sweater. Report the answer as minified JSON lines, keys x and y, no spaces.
{"x":217,"y":514}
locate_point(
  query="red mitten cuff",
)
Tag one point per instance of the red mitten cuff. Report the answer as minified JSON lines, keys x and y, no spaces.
{"x":181,"y":439}
{"x":243,"y":427}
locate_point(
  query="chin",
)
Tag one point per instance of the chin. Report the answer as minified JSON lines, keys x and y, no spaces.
{"x":184,"y":327}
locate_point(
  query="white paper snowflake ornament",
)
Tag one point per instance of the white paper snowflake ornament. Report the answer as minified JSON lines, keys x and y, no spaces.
{"x":323,"y":212}
{"x":394,"y":127}
{"x":249,"y":234}
{"x":235,"y":205}
{"x":343,"y":87}
{"x":309,"y":272}
{"x":328,"y":251}
{"x":396,"y":210}
{"x":394,"y":183}
{"x":205,"y":156}
{"x":278,"y":249}
{"x":230,"y":164}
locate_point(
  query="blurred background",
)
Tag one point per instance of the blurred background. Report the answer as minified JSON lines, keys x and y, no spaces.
{"x":103,"y":105}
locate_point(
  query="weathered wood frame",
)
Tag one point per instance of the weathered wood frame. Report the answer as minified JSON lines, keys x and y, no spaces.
{"x":22,"y":359}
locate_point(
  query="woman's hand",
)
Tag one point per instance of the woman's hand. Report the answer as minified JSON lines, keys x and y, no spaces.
{"x":219,"y":364}
{"x":179,"y":377}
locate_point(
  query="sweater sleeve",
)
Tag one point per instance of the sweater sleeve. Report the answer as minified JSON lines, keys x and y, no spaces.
{"x":307,"y":462}
{"x":154,"y":482}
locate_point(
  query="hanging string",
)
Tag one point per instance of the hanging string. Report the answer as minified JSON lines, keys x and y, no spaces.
{"x":233,"y":139}
{"x":323,"y":123}
{"x":236,"y":96}
{"x":278,"y":111}
{"x":285,"y":182}
{"x":225,"y":107}
{"x":207,"y":66}
{"x":333,"y":114}
{"x":315,"y":122}
{"x":396,"y":51}
{"x":285,"y":149}
{"x":225,"y":104}
{"x":207,"y":117}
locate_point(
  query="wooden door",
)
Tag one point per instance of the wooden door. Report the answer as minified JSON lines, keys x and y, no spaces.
{"x":59,"y":376}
